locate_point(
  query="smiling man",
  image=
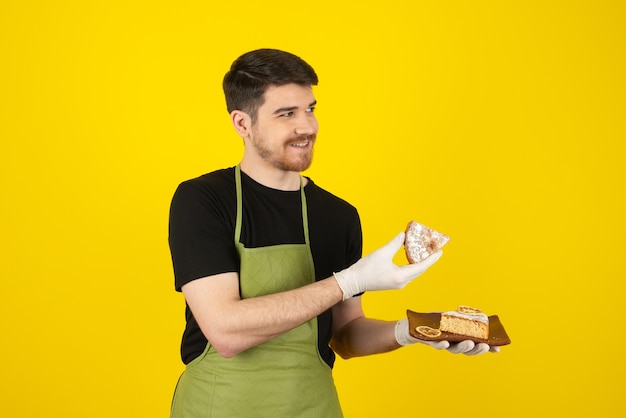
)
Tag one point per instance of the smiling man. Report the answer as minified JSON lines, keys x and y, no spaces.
{"x":270,"y":263}
{"x":281,"y":139}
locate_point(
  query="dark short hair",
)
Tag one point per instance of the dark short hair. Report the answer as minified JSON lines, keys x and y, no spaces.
{"x":252,"y":73}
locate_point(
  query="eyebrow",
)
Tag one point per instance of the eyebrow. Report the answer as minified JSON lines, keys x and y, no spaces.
{"x":291,"y":108}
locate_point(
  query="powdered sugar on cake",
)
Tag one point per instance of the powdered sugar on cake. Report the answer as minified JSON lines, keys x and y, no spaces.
{"x":420,"y":242}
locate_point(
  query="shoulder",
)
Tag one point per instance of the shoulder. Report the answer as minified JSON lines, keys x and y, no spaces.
{"x":320,"y":195}
{"x":207,"y":198}
{"x":213,"y":180}
{"x":213,"y":184}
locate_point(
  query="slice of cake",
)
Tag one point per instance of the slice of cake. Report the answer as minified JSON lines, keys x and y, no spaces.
{"x":420,"y":242}
{"x":465,"y":321}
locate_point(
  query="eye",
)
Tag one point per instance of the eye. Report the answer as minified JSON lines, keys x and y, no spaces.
{"x":286,"y":115}
{"x":310,"y":109}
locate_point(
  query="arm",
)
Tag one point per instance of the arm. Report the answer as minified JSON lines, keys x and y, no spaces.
{"x":354,"y":335}
{"x":233,"y":325}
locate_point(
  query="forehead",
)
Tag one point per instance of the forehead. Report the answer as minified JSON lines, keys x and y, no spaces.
{"x":288,"y":95}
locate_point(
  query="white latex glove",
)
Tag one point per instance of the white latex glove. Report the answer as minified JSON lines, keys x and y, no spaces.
{"x":378,"y":272}
{"x":470,"y":348}
{"x":403,"y":337}
{"x":467,"y":347}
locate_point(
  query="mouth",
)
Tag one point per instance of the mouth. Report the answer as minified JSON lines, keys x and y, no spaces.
{"x":301,"y":143}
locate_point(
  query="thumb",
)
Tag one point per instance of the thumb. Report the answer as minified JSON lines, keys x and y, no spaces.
{"x":431,"y":259}
{"x":414,"y":270}
{"x":394,"y":245}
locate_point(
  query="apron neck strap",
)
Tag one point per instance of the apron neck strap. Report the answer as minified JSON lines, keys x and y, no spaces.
{"x":238,"y":222}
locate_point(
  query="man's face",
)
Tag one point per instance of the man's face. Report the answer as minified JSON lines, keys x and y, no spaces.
{"x":286,"y":127}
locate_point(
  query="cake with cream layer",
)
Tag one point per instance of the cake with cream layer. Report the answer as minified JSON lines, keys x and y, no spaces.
{"x":465,"y":321}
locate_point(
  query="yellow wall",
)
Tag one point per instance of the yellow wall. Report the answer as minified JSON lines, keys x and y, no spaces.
{"x":498,"y":123}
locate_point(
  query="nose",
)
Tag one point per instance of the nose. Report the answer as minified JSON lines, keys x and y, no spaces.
{"x":306,"y":125}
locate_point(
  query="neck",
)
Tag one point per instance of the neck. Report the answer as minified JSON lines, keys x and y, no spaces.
{"x":272,"y":177}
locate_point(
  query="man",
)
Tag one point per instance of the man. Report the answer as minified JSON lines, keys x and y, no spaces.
{"x":270,"y":263}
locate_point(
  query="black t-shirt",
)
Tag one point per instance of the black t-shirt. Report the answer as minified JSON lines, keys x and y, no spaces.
{"x":202,"y":229}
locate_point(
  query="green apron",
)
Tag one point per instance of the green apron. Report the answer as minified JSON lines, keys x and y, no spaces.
{"x":281,"y":378}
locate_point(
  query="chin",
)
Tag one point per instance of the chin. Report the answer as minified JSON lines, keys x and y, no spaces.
{"x":298,"y":166}
{"x":304,"y":165}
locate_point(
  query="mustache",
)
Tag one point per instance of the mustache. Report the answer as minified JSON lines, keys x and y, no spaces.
{"x":301,"y":138}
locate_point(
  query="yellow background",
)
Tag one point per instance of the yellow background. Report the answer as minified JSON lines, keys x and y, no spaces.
{"x":498,"y":123}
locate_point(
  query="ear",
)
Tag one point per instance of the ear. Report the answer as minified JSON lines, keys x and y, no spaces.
{"x":241,"y":122}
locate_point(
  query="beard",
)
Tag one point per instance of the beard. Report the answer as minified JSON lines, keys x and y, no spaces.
{"x":282,"y":158}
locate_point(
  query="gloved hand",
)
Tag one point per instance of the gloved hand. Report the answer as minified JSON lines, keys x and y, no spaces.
{"x":403,"y":337}
{"x":467,"y":347}
{"x":378,"y":272}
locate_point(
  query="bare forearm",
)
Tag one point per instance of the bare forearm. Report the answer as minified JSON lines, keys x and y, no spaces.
{"x":267,"y":316}
{"x":233,"y":325}
{"x":365,"y":336}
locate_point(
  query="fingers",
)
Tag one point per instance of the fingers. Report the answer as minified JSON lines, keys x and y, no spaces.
{"x":461,"y":347}
{"x":414,"y":270}
{"x":469,"y":348}
{"x":394,"y":245}
{"x":439,"y":345}
{"x":480,"y":348}
{"x":432,"y":259}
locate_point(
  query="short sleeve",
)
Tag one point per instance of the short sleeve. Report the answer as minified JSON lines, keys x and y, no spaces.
{"x":200,"y":233}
